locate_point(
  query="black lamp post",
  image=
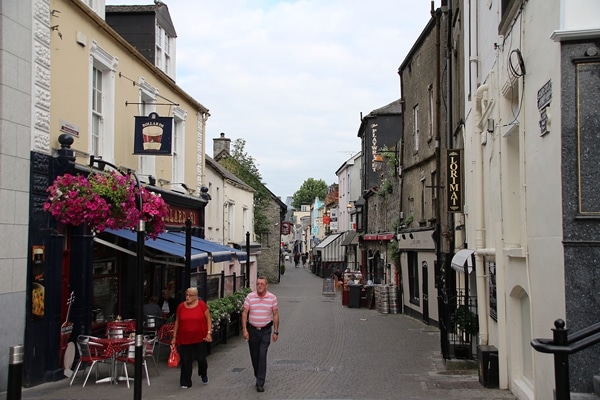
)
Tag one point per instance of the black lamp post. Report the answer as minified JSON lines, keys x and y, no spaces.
{"x":139,"y":275}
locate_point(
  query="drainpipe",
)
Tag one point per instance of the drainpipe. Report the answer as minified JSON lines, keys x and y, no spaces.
{"x":479,"y":216}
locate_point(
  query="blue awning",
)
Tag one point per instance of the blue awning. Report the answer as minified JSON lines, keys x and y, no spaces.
{"x":198,"y":257}
{"x":218,"y":251}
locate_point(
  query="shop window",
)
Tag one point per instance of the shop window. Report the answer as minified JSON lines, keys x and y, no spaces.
{"x":105,"y":291}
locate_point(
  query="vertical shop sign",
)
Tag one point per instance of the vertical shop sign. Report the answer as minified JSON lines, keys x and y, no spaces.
{"x":373,"y":146}
{"x":454,"y":187}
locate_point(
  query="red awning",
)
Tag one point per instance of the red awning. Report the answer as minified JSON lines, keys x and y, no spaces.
{"x":370,"y":237}
{"x":385,"y":236}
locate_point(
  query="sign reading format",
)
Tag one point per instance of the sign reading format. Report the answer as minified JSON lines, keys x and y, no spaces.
{"x":153,"y":135}
{"x":454,"y":187}
{"x":178,"y":216}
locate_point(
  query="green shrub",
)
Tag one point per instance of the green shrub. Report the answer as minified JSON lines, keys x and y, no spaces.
{"x":222,"y":309}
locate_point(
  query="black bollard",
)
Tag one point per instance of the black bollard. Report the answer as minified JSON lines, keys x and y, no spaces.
{"x":15,"y":373}
{"x":561,"y":362}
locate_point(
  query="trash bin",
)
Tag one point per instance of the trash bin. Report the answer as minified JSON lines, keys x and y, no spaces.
{"x":355,"y":291}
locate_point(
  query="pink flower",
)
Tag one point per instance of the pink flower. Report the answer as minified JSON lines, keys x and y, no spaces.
{"x":105,"y":201}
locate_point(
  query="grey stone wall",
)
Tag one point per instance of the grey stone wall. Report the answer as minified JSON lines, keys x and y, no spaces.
{"x":268,"y":259}
{"x":581,"y":200}
{"x":422,"y":75}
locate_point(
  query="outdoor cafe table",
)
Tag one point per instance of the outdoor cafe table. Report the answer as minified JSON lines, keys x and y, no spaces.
{"x":113,"y":347}
{"x":127,"y":326}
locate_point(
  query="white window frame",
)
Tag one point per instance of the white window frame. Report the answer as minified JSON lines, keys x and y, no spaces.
{"x":103,"y":145}
{"x":416,"y":126}
{"x":431,"y":111}
{"x":164,"y":51}
{"x":148,"y":94}
{"x":178,"y":145}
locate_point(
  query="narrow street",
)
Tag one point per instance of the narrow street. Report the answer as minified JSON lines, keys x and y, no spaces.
{"x":325,"y":351}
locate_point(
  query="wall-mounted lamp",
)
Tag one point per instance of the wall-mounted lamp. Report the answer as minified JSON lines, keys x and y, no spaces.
{"x":410,"y":235}
{"x":187,"y":189}
{"x":151,"y":179}
{"x":403,"y":236}
{"x":164,"y":182}
{"x":204,"y":195}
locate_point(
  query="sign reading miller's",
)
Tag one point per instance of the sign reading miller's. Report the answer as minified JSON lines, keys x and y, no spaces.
{"x":153,"y":135}
{"x":454,"y":187}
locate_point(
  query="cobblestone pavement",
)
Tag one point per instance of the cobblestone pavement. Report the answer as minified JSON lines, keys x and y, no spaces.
{"x":325,"y":351}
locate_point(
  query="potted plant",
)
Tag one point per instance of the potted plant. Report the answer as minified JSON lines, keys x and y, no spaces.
{"x":282,"y":269}
{"x":226,"y":311}
{"x":463,"y":321}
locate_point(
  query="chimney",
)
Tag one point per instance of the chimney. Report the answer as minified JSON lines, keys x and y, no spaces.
{"x":221,"y":144}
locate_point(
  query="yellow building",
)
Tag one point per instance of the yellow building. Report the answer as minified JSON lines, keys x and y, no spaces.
{"x":89,"y":85}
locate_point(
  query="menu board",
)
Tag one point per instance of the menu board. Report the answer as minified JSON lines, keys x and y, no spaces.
{"x":328,"y":286}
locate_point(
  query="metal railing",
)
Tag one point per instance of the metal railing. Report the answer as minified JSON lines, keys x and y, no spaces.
{"x":216,"y":286}
{"x":561,"y":345}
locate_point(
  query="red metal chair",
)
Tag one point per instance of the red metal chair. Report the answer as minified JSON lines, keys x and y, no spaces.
{"x":89,"y":353}
{"x":129,"y":358}
{"x":150,"y":345}
{"x":165,"y":335}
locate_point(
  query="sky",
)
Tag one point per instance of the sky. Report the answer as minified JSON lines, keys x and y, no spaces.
{"x":292,"y":77}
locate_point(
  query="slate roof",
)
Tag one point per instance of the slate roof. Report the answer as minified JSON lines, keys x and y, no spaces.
{"x":226,"y":174}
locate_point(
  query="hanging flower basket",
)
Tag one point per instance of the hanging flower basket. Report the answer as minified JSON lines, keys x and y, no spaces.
{"x":104,"y":201}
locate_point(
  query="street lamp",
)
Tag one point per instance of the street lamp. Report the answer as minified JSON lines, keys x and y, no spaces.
{"x":139,"y":287}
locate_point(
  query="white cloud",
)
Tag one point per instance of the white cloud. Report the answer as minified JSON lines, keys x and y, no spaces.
{"x":292,"y":77}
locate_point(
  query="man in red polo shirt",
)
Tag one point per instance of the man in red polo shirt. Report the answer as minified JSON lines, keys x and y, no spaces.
{"x":259,"y":318}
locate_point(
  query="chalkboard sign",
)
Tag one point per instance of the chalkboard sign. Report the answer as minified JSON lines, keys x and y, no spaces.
{"x":328,"y":287}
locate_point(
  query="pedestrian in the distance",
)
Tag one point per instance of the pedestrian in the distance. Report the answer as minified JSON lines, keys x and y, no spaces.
{"x":259,"y":318}
{"x":192,"y":332}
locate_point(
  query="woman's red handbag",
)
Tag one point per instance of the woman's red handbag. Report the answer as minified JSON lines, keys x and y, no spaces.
{"x":173,"y":357}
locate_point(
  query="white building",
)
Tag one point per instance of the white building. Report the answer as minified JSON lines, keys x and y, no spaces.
{"x":349,"y":191}
{"x":518,"y":153}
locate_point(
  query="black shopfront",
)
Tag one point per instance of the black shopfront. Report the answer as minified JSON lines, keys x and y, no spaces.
{"x":101,"y":276}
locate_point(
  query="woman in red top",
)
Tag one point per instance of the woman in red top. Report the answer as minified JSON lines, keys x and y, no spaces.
{"x":192,"y":332}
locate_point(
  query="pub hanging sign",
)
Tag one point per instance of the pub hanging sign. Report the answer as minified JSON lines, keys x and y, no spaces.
{"x":454,"y":187}
{"x":153,"y":135}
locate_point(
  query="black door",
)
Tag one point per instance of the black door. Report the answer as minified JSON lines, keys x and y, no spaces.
{"x":425,"y":287}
